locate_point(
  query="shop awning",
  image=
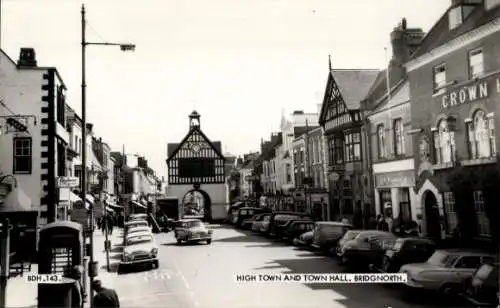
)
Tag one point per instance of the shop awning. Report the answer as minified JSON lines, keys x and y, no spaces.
{"x":138,"y":204}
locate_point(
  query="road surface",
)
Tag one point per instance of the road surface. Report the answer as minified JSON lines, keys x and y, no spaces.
{"x":204,"y":276}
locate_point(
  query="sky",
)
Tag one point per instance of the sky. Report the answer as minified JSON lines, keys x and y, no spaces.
{"x":239,"y":63}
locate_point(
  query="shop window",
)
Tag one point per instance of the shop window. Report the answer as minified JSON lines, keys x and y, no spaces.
{"x":481,"y":136}
{"x":482,"y":219}
{"x":399,"y":142}
{"x":338,"y":151}
{"x":444,"y":143}
{"x":476,"y":65}
{"x":450,"y":211}
{"x":385,"y":200}
{"x":404,"y":204}
{"x":439,"y":77}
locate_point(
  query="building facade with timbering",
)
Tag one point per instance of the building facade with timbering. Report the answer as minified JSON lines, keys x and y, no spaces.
{"x":342,"y":120}
{"x":455,"y":91}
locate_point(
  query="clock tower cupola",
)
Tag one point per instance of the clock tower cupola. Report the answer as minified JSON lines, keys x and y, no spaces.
{"x":194,"y":120}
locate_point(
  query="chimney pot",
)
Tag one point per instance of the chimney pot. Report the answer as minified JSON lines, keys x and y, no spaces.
{"x":27,"y":57}
{"x":90,"y":126}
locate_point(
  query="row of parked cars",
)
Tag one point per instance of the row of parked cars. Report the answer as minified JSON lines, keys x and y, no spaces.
{"x":139,"y":246}
{"x":464,"y":273}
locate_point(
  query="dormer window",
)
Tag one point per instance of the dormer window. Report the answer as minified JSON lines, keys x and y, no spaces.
{"x":490,"y":4}
{"x":455,"y":17}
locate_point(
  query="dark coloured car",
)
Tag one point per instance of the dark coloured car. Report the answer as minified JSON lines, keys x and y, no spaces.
{"x":481,"y":290}
{"x":247,"y":212}
{"x":279,"y":219}
{"x":404,"y":251}
{"x":363,"y":249}
{"x":328,"y":233}
{"x":248,"y":222}
{"x":294,"y":228}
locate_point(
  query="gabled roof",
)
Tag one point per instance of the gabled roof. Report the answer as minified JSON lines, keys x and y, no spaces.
{"x":441,"y":34}
{"x":381,"y":102}
{"x":353,"y":85}
{"x":173,"y":148}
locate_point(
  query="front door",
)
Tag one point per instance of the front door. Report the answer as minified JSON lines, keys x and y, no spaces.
{"x":432,"y":216}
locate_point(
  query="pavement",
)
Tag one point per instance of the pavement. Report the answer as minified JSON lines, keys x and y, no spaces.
{"x":203,"y":276}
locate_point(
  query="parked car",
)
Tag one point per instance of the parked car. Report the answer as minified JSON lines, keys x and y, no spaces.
{"x":140,"y":249}
{"x":360,"y":250}
{"x":256,"y":224}
{"x":328,"y":233}
{"x":482,"y":288}
{"x":446,"y":270}
{"x":139,"y":229}
{"x":233,"y":211}
{"x":248,"y":222}
{"x":134,"y":224}
{"x":295,"y":228}
{"x":304,"y":240}
{"x":349,"y":235}
{"x":141,"y":216}
{"x":247,"y":212}
{"x":404,"y":251}
{"x":192,"y":230}
{"x":264,"y":225}
{"x":279,"y":219}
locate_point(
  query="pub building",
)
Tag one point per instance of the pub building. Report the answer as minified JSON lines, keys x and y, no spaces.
{"x":341,"y":119}
{"x":389,"y":121}
{"x":454,"y":113}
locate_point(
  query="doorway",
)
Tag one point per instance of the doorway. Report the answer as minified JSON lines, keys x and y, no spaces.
{"x":432,"y":220}
{"x":197,"y":204}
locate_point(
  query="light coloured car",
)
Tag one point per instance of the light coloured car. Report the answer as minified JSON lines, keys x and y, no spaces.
{"x":192,"y":230}
{"x":446,"y":270}
{"x":305,"y":239}
{"x":133,"y":217}
{"x":140,"y":229}
{"x":140,"y":249}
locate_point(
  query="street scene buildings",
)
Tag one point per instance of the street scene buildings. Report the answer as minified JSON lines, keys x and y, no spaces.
{"x":392,"y":170}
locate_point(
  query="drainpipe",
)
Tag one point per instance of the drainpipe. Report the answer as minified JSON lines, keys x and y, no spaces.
{"x":369,"y":160}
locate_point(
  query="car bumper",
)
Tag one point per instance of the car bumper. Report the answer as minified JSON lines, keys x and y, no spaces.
{"x":140,"y":261}
{"x":299,"y":242}
{"x":195,"y":238}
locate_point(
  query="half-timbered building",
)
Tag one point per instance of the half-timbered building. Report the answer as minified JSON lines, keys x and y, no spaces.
{"x":342,"y":121}
{"x":196,"y":171}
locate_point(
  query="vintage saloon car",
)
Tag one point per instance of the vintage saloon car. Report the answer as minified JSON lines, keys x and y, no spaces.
{"x":446,"y":270}
{"x":139,"y":249}
{"x":192,"y":230}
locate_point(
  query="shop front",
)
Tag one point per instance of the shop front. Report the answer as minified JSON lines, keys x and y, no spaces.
{"x":395,"y":196}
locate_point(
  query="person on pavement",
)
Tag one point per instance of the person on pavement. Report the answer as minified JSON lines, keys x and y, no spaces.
{"x":104,"y":298}
{"x":110,"y":224}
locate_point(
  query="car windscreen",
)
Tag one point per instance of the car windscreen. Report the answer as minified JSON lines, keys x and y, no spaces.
{"x":135,"y":240}
{"x":135,"y":230}
{"x":137,"y":224}
{"x":440,"y":258}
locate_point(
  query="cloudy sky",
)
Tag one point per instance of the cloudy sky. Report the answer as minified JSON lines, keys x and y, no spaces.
{"x":237,"y":62}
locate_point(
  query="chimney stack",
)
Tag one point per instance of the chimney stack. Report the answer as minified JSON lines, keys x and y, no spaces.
{"x":404,"y":42}
{"x":89,"y":127}
{"x":27,"y":57}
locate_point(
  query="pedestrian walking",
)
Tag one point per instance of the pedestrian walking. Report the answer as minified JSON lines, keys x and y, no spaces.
{"x":104,"y":225}
{"x":105,"y":298}
{"x":110,"y":224}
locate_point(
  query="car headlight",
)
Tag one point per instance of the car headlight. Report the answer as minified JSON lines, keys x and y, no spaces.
{"x":126,"y":256}
{"x":154,"y":251}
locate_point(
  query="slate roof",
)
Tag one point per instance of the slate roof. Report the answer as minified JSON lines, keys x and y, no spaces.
{"x":440,"y":33}
{"x":354,"y":84}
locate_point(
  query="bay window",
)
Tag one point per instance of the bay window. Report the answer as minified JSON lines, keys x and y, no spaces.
{"x":353,"y":147}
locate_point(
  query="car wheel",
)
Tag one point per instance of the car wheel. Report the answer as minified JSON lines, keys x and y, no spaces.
{"x":447,"y":289}
{"x":120,"y":269}
{"x":209,"y":242}
{"x":156,"y":264}
{"x":179,"y":242}
{"x":386,"y":264}
{"x":343,"y":260}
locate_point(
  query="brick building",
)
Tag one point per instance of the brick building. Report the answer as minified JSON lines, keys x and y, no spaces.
{"x":455,"y":93}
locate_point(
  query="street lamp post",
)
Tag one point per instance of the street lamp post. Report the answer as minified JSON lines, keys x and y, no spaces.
{"x":124,"y":47}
